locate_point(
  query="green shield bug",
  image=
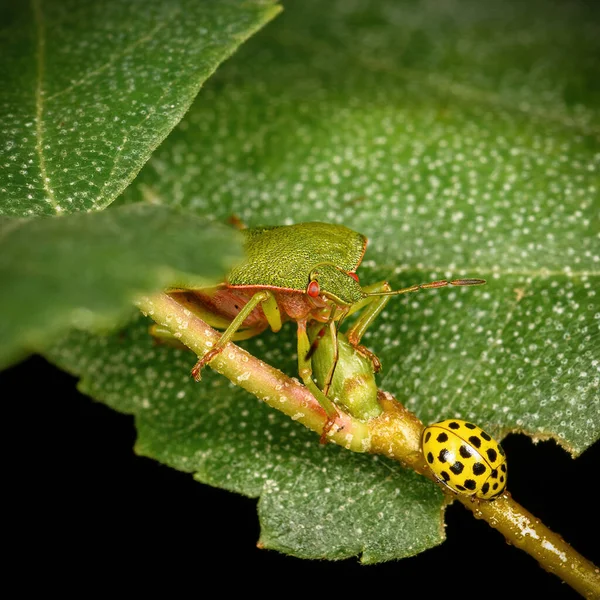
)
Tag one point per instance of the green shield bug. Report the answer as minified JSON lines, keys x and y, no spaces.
{"x":353,"y":387}
{"x":304,"y":273}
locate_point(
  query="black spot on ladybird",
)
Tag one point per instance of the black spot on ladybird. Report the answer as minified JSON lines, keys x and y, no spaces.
{"x":485,"y":488}
{"x":495,"y":473}
{"x":443,"y":437}
{"x":443,"y":455}
{"x":460,"y":487}
{"x":465,"y":451}
{"x":470,"y":426}
{"x":429,"y":457}
{"x":485,"y":436}
{"x":479,"y":469}
{"x":454,"y":425}
{"x":500,"y":450}
{"x":457,"y":468}
{"x":495,"y":486}
{"x":445,"y":476}
{"x":502,"y":479}
{"x":503,"y":467}
{"x":491,"y":454}
{"x":470,"y":484}
{"x":475,"y":441}
{"x":427,"y":436}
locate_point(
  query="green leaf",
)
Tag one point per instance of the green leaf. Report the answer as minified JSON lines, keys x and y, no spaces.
{"x":415,"y":131}
{"x":89,"y":89}
{"x":86,"y":269}
{"x":463,"y":139}
{"x":315,"y":501}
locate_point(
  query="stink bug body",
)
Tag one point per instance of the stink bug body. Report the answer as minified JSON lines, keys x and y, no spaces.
{"x":353,"y":387}
{"x":304,"y":273}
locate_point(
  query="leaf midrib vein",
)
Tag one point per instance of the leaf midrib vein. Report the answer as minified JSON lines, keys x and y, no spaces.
{"x":491,"y":271}
{"x":36,"y":6}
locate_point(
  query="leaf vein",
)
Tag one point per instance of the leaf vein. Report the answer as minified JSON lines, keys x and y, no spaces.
{"x":487,"y":271}
{"x":39,"y":101}
{"x":113,"y":59}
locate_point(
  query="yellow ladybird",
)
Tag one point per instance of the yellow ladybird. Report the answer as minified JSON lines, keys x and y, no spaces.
{"x":465,"y":458}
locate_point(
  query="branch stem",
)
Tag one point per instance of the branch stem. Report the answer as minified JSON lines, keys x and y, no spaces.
{"x":396,"y":433}
{"x":260,"y":379}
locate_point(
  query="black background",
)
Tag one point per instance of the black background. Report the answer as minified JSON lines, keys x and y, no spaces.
{"x":81,"y":502}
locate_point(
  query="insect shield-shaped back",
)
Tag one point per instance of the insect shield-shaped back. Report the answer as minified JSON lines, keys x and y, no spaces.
{"x":283,"y":257}
{"x":465,"y":458}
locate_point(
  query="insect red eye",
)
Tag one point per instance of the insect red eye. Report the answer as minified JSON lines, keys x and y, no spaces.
{"x":313,"y":289}
{"x":354,"y":276}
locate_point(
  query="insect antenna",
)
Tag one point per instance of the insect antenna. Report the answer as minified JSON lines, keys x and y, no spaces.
{"x":431,"y":285}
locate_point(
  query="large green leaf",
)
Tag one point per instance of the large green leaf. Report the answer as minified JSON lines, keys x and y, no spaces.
{"x":86,"y":269}
{"x":462,"y":138}
{"x":442,"y":185}
{"x":89,"y":89}
{"x":316,"y":501}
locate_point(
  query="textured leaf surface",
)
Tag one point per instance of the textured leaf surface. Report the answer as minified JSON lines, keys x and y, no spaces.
{"x":89,"y":89}
{"x":316,"y":501}
{"x":462,"y":138}
{"x":86,"y":269}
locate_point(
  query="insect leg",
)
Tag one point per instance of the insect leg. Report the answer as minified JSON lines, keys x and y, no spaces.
{"x":305,"y":372}
{"x":230,"y":332}
{"x":163,"y":335}
{"x":272,"y":313}
{"x":373,"y":305}
{"x":316,"y":340}
{"x":373,"y":308}
{"x":334,"y":327}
